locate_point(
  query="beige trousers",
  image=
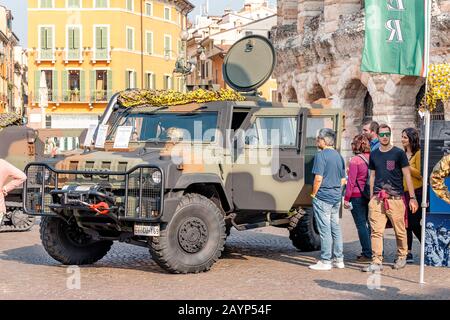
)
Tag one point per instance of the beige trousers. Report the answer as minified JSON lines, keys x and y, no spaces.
{"x":378,"y":218}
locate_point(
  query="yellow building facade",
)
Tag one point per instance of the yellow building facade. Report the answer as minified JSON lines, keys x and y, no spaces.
{"x":87,"y":50}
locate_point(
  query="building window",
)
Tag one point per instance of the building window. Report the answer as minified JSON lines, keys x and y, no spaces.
{"x":74,"y":85}
{"x":168,"y":46}
{"x":101,"y":85}
{"x":167,"y":13}
{"x":46,"y":43}
{"x":73,"y":4}
{"x":149,"y":42}
{"x":50,"y":82}
{"x":168,"y":82}
{"x":46,"y":4}
{"x":48,"y":121}
{"x":74,"y":43}
{"x":131,"y":79}
{"x":148,"y":9}
{"x":101,"y":43}
{"x":130,"y":5}
{"x":130,"y":39}
{"x":150,"y":79}
{"x":101,"y":3}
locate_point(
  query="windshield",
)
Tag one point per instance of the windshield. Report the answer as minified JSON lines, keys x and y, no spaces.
{"x":167,"y":126}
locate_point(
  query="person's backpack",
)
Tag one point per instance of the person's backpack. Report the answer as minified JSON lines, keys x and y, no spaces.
{"x":366,"y":191}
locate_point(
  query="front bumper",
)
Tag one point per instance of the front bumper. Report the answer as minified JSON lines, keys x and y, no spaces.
{"x":131,"y":196}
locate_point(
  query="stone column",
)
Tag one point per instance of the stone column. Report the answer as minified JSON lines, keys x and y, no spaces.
{"x":394,"y":99}
{"x":308,"y":9}
{"x":288,"y":11}
{"x":335,"y":9}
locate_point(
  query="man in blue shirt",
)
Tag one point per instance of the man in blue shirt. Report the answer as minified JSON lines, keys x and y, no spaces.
{"x":329,"y":171}
{"x":370,"y":130}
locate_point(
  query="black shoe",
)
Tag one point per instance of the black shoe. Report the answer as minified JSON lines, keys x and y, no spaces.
{"x":409,"y":258}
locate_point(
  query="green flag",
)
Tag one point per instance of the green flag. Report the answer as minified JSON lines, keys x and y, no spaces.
{"x":397,"y":37}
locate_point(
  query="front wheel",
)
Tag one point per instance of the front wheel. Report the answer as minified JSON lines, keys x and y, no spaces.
{"x":194,"y":238}
{"x":303,"y":231}
{"x":68,"y":244}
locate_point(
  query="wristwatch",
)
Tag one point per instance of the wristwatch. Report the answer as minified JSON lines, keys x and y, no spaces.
{"x":412,"y":197}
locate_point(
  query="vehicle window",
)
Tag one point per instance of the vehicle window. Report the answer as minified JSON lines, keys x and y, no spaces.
{"x":314,"y":125}
{"x":166,"y":126}
{"x":273,"y":131}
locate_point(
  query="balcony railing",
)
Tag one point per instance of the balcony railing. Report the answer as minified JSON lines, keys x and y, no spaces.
{"x":47,"y":54}
{"x":74,"y":96}
{"x":101,"y":54}
{"x":74,"y":54}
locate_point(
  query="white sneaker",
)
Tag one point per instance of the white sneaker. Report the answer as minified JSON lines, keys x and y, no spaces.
{"x":339,"y":265}
{"x":320,"y":266}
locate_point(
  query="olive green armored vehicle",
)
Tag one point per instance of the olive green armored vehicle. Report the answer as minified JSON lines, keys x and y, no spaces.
{"x":175,"y":172}
{"x":19,"y":146}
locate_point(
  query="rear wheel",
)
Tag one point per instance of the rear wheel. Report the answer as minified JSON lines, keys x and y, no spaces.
{"x":194,"y":238}
{"x":69,"y":244}
{"x":303,"y":231}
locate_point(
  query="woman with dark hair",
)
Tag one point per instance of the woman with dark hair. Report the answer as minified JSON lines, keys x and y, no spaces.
{"x":411,"y":144}
{"x":355,"y":198}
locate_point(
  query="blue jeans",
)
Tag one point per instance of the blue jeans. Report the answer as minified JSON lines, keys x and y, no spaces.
{"x":360,"y":213}
{"x":327,"y":218}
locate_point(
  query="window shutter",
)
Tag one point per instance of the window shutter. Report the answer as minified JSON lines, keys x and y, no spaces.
{"x":109,"y":84}
{"x":49,"y":38}
{"x":147,"y":80}
{"x":104,"y":37}
{"x":82,"y":86}
{"x":71,"y":38}
{"x":172,"y":83}
{"x":43,"y":38}
{"x":37,"y":79}
{"x":92,"y":84}
{"x":127,"y":80}
{"x":55,"y":86}
{"x":154,"y":81}
{"x":98,"y":38}
{"x":65,"y":80}
{"x":76,"y":39}
{"x":135,"y":79}
{"x":130,"y":39}
{"x":149,"y":43}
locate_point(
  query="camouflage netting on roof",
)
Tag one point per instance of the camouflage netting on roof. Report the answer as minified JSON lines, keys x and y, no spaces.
{"x":9,"y":119}
{"x":158,"y":98}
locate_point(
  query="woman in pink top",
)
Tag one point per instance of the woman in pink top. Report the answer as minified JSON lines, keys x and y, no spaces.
{"x":354,"y":198}
{"x":10,"y":179}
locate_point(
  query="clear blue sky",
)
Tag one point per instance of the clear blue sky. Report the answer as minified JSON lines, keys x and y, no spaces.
{"x":20,"y":23}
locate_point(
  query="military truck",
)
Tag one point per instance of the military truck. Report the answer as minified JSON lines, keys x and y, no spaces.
{"x":19,"y":146}
{"x":176,"y":178}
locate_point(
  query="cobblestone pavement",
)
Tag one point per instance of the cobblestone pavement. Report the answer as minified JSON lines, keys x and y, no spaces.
{"x":258,"y":264}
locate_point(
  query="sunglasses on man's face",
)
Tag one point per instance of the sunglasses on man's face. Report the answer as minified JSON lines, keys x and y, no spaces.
{"x":384,"y":134}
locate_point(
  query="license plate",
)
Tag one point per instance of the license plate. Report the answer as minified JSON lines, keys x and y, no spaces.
{"x":146,"y":230}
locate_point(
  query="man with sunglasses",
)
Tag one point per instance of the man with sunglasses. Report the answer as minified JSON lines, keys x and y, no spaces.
{"x":388,"y":165}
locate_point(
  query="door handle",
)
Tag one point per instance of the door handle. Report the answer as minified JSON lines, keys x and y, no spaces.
{"x":284,"y":169}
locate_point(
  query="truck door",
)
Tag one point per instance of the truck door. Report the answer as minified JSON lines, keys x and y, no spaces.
{"x":267,"y":170}
{"x":316,"y":120}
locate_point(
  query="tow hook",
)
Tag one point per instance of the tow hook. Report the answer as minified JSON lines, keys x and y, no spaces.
{"x":101,"y":208}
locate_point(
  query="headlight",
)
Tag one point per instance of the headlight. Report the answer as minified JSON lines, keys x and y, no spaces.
{"x":157,"y":177}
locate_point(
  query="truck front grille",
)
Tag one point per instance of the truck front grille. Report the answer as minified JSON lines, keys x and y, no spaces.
{"x":137,"y":195}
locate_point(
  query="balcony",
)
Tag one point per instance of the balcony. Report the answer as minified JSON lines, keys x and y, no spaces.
{"x":74,"y":55}
{"x":101,"y":55}
{"x":46,"y":55}
{"x":101,"y":96}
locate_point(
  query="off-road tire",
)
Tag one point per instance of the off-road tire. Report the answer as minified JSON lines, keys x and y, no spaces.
{"x":202,"y":221}
{"x":302,"y":231}
{"x":56,"y":242}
